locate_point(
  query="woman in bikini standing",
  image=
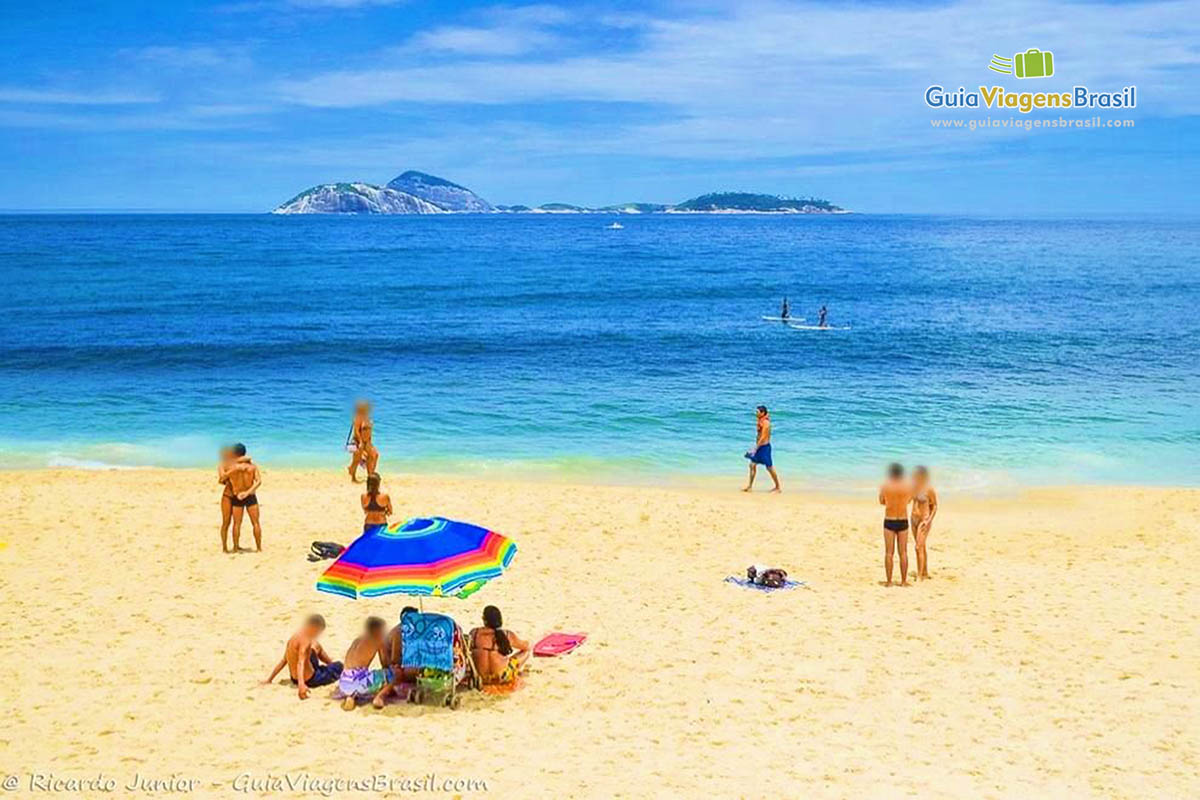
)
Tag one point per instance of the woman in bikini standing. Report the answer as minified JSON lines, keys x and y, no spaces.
{"x":225,"y":462}
{"x":378,"y":507}
{"x":924,"y":509}
{"x":361,"y":430}
{"x":894,"y":496}
{"x":498,"y":654}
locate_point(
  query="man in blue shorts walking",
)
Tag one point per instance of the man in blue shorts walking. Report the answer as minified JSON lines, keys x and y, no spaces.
{"x":761,"y":454}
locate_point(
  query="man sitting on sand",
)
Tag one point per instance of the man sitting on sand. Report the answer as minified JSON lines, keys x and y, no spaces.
{"x":358,"y":679}
{"x":244,"y":480}
{"x":392,"y":657}
{"x":895,"y":495}
{"x":761,"y":454}
{"x":308,"y":664}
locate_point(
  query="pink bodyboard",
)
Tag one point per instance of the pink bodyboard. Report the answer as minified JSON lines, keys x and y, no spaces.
{"x":557,"y":644}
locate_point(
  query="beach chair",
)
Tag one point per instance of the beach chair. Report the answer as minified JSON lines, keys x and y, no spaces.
{"x":436,"y":651}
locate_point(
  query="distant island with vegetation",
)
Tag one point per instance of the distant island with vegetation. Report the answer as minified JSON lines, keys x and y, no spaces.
{"x":757,"y":203}
{"x":415,"y":192}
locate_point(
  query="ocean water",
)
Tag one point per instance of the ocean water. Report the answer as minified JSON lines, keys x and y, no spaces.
{"x":998,"y":352}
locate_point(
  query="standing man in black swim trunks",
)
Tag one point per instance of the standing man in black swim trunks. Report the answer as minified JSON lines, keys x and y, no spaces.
{"x":244,"y":480}
{"x":225,"y":463}
{"x":895,"y":495}
{"x":821,"y":323}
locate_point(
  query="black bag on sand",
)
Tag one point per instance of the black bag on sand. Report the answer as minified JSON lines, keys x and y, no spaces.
{"x":770,"y":576}
{"x":324,"y":550}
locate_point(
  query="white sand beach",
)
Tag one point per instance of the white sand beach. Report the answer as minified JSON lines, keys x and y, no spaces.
{"x":1054,"y":653}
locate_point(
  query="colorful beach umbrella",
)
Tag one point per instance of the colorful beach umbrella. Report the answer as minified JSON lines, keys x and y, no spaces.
{"x":429,"y":556}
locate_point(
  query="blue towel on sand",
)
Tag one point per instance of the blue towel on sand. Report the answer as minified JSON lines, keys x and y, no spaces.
{"x":428,"y":641}
{"x":746,"y":583}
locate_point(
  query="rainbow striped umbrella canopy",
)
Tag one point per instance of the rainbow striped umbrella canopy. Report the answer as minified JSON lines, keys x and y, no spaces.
{"x":431,"y":556}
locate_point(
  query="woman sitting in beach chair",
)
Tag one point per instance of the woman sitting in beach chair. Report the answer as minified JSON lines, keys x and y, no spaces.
{"x":498,"y":654}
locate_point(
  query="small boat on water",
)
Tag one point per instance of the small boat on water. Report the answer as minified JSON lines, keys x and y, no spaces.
{"x":616,"y":226}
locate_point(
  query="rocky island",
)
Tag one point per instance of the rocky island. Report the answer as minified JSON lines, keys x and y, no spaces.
{"x":415,"y":192}
{"x":440,"y":192}
{"x":356,"y":198}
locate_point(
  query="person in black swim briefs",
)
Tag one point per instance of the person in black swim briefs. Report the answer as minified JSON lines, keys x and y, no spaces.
{"x":244,"y":480}
{"x":895,"y":495}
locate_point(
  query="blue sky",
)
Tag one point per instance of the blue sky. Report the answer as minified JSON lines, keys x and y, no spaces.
{"x":237,"y":105}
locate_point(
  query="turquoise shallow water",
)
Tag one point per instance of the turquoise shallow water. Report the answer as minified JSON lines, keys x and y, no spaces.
{"x":997,"y":351}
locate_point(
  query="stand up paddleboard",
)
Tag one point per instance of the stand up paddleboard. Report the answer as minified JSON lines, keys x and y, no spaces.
{"x":783,"y":319}
{"x":819,"y":327}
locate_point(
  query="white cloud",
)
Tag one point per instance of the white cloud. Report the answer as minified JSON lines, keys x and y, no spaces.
{"x":509,"y":31}
{"x":285,"y":6}
{"x":533,"y":14}
{"x":192,"y":57}
{"x":776,"y":78}
{"x":499,"y":41}
{"x":755,"y":83}
{"x":41,"y":96}
{"x":340,"y":3}
{"x":184,"y":120}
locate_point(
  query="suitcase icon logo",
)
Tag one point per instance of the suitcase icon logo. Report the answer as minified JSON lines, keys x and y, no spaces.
{"x":1033,"y":63}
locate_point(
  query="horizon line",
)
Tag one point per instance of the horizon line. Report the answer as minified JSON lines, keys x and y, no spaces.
{"x":151,"y":212}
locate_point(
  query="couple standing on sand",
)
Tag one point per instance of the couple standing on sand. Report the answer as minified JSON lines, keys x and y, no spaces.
{"x":241,"y":478}
{"x":895,"y":495}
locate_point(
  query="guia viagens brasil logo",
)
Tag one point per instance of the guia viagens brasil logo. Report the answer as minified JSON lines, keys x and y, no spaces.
{"x":1032,"y":63}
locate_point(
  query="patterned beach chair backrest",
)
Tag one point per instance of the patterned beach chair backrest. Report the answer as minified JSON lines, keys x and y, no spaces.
{"x":428,"y":641}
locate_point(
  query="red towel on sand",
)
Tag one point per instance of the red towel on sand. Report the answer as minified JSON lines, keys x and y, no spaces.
{"x":557,"y":644}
